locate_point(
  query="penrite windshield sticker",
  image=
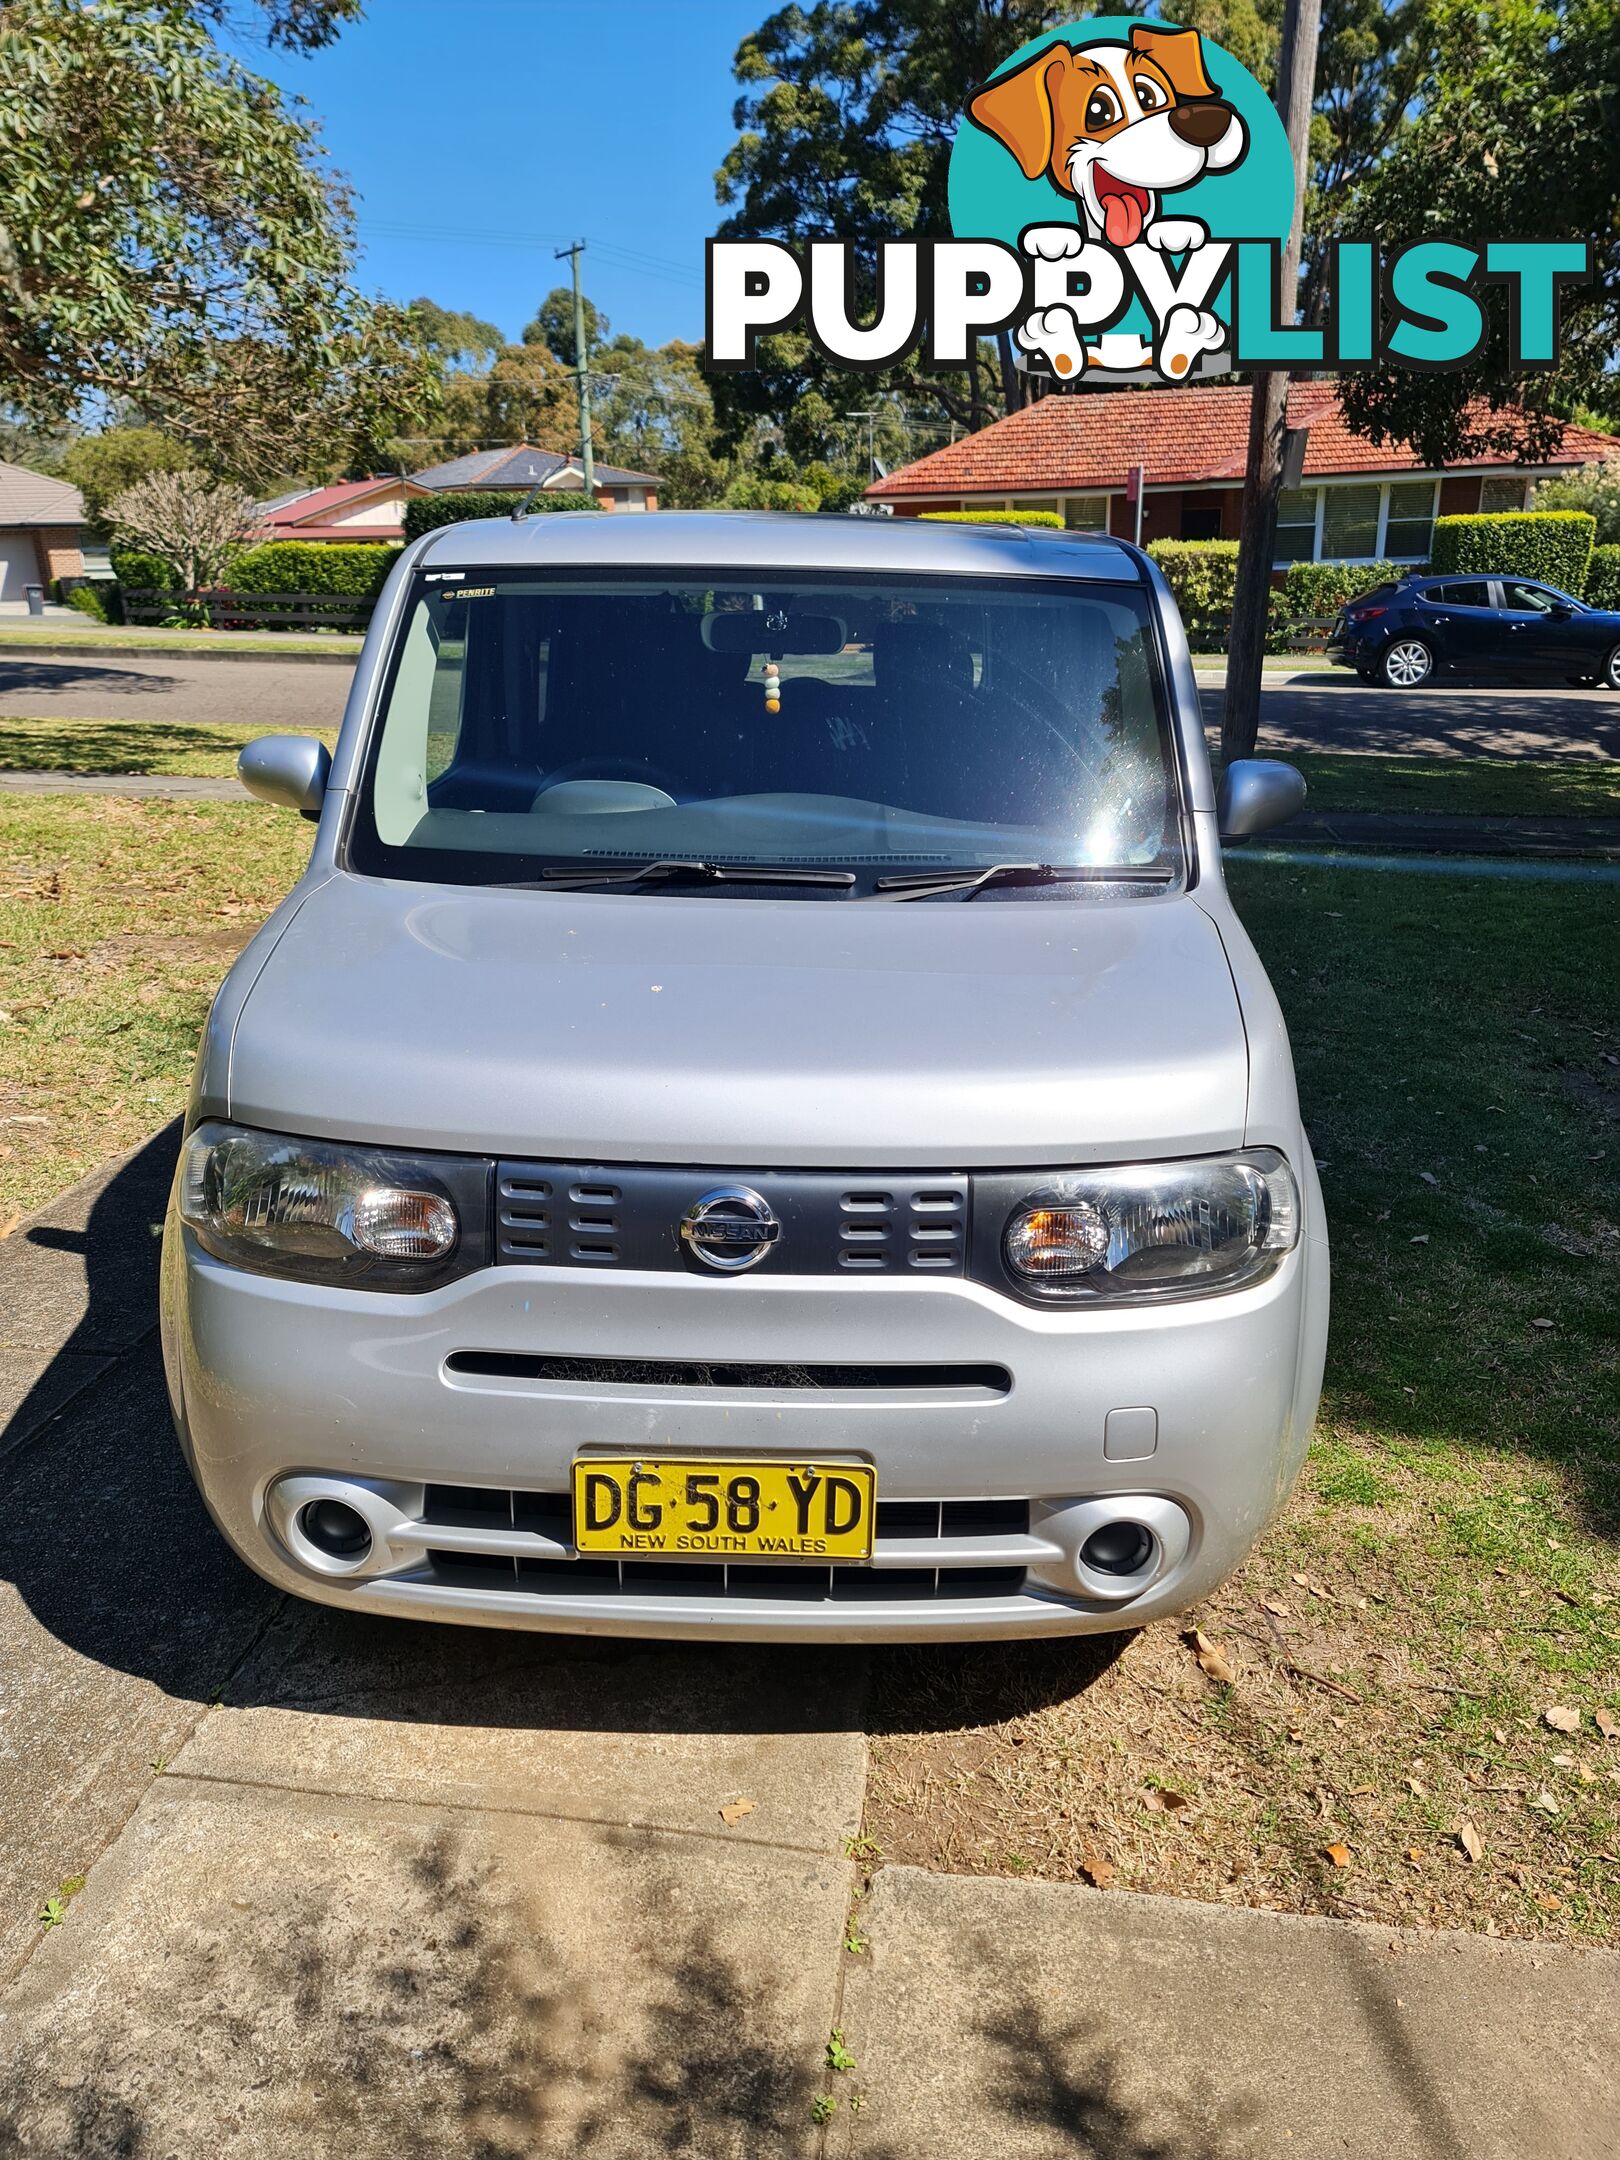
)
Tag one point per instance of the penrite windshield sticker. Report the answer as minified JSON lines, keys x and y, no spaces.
{"x":1119,"y":193}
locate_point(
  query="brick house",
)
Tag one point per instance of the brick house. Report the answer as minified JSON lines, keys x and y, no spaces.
{"x":1358,"y":501}
{"x":525,"y":467}
{"x":41,"y":531}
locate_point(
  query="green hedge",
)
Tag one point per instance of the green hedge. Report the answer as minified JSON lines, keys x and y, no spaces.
{"x":134,"y":567}
{"x":87,"y":601}
{"x":429,"y":512}
{"x":307,"y":566}
{"x":1603,"y":577}
{"x":1554,"y":545}
{"x":1201,"y":574}
{"x":1322,"y":588}
{"x":994,"y":517}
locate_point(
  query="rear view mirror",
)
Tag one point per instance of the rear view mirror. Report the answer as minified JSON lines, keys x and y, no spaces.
{"x":1257,"y":793}
{"x":288,"y":770}
{"x":773,"y":630}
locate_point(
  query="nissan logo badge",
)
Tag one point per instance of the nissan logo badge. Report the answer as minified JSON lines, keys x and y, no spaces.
{"x":730,"y":1228}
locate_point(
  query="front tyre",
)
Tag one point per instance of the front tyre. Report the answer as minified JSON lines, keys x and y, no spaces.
{"x":1610,"y":678}
{"x":1406,"y":665}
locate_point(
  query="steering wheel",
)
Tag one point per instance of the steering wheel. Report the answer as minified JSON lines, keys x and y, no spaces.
{"x":613,"y":768}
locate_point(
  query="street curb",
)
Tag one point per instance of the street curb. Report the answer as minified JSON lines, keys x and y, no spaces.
{"x":12,"y":647}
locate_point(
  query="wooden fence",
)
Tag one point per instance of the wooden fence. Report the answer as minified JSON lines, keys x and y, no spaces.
{"x":222,"y":610}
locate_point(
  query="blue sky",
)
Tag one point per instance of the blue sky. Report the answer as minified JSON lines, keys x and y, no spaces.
{"x":481,"y":134}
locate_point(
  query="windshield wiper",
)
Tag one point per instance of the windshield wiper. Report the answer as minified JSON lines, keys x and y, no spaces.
{"x":918,"y":884}
{"x":698,"y":873}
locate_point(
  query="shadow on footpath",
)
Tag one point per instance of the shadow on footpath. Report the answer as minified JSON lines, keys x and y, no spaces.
{"x":113,"y":1553}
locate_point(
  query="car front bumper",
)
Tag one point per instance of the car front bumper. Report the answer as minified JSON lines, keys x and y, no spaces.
{"x":273,"y":1381}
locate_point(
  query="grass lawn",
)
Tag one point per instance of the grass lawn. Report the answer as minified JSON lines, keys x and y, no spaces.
{"x":1460,"y":787}
{"x":1447,"y":1572}
{"x":117,"y":921}
{"x":128,"y":746}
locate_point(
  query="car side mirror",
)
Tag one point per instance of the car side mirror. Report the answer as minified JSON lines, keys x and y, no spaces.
{"x":1559,"y":613}
{"x":1255,"y":794}
{"x":288,"y":770}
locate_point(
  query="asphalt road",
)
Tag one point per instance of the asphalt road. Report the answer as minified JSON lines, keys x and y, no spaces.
{"x":275,"y":695}
{"x":1322,"y":711}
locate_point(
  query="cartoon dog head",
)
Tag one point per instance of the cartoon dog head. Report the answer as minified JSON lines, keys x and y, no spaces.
{"x":1115,"y":125}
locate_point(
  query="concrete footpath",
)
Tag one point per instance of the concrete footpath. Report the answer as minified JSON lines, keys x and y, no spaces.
{"x":333,"y":1887}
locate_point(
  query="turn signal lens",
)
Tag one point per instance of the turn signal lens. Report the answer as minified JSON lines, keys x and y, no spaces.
{"x":1145,"y":1230}
{"x":313,"y":1209}
{"x":1053,"y":1243}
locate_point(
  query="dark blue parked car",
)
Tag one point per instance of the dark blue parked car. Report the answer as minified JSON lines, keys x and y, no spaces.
{"x":1499,"y":628}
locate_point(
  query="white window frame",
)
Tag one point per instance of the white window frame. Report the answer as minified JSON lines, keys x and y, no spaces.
{"x":1383,"y":486}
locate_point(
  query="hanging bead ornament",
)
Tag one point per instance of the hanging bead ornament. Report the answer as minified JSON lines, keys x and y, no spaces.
{"x":773,"y":687}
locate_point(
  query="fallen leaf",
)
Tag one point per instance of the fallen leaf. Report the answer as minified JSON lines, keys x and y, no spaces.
{"x":1560,"y":1719}
{"x":1541,"y":1323}
{"x":1162,"y":1801}
{"x":1564,"y":1762}
{"x":1360,"y":1792}
{"x":1423,"y":1240}
{"x":1338,"y":1854}
{"x":1212,"y":1659}
{"x":1275,"y":1605}
{"x":1097,"y":1871}
{"x":1303,"y":1582}
{"x":1544,"y":1803}
{"x":1415,"y":1785}
{"x":1415,"y":1855}
{"x":734,"y":1811}
{"x":1607,"y":1724}
{"x":1468,"y":1838}
{"x":1428,"y":1177}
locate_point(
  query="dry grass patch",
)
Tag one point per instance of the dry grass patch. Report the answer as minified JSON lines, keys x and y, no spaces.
{"x":117,"y":921}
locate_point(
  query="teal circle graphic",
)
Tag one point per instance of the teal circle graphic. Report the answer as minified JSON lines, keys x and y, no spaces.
{"x":990,"y":199}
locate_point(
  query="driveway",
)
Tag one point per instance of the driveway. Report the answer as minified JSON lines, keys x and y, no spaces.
{"x":279,"y":696}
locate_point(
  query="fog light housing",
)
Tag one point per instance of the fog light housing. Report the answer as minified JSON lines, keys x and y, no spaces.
{"x":333,"y":1527}
{"x":1119,"y":1548}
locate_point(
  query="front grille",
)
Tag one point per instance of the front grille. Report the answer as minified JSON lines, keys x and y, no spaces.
{"x":694,"y":1373}
{"x":495,"y":1510}
{"x":628,"y":1216}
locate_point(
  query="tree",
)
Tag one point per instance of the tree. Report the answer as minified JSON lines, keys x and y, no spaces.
{"x":1596,"y":489}
{"x":171,"y":237}
{"x":553,"y":325}
{"x":102,"y":466}
{"x":193,"y":522}
{"x":1515,"y":134}
{"x":529,"y":396}
{"x":652,"y":410}
{"x":462,"y":342}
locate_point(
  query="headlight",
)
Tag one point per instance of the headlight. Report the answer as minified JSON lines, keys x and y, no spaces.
{"x":1154,"y":1230}
{"x":323,"y":1211}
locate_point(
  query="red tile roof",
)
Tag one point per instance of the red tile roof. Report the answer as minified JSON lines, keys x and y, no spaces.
{"x":308,"y":516}
{"x":1187,"y":437}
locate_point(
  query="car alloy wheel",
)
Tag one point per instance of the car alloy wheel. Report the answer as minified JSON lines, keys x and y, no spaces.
{"x":1407,"y":663}
{"x":1611,"y":671}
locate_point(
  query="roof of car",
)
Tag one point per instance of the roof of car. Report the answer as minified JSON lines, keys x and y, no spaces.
{"x":676,"y":540}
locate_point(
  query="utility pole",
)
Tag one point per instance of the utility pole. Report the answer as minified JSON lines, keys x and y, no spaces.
{"x":1268,"y":414}
{"x":582,"y":368}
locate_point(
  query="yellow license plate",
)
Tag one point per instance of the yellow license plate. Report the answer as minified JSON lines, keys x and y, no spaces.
{"x":681,"y":1509}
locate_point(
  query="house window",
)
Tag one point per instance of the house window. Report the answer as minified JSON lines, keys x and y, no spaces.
{"x":1086,"y":513}
{"x":1498,"y":495}
{"x":1350,"y":522}
{"x":1200,"y":517}
{"x":1296,"y":525}
{"x":1409,"y":524}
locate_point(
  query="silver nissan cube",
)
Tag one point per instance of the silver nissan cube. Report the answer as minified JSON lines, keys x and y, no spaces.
{"x":759,"y":1119}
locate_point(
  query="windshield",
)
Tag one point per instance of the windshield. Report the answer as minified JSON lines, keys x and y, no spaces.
{"x":538,"y":726}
